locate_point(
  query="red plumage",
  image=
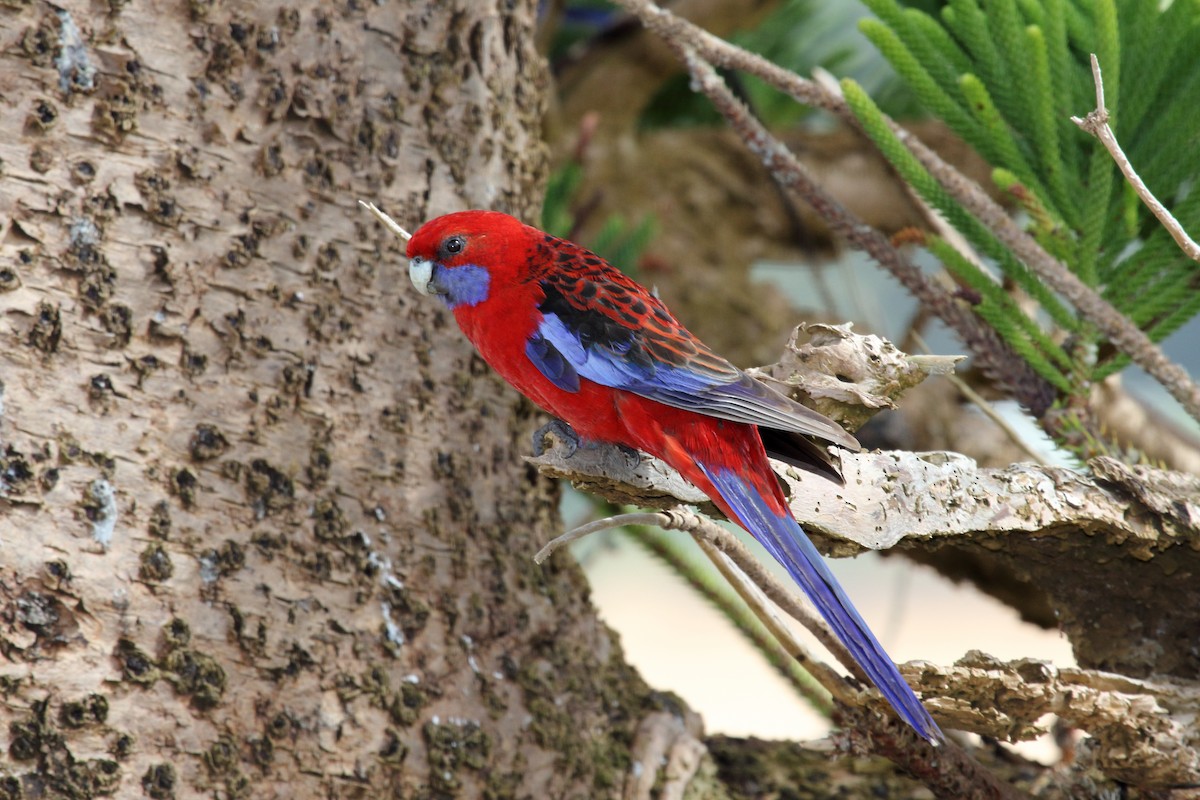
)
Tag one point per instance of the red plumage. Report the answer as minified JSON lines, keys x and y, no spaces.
{"x":598,"y":351}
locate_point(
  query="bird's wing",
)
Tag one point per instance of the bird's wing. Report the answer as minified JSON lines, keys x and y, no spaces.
{"x":599,"y":324}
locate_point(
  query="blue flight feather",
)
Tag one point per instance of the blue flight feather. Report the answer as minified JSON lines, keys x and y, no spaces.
{"x":625,"y":364}
{"x":787,"y":543}
{"x":612,"y":366}
{"x":551,"y":363}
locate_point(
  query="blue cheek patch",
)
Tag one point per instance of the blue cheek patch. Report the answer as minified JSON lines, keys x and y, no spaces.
{"x":463,"y":286}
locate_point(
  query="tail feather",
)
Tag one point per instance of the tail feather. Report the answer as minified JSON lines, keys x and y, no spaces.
{"x":783,"y":538}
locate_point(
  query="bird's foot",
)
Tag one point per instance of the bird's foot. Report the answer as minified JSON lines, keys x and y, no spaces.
{"x":561,"y":431}
{"x":572,"y":442}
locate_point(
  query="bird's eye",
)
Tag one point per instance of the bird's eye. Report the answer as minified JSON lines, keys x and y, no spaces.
{"x":454,"y":245}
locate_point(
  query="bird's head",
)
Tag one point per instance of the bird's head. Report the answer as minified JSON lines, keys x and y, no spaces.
{"x":463,"y":256}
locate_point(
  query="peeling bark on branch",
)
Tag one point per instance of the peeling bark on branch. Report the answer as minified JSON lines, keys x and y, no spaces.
{"x":1142,"y":732}
{"x":1116,"y":553}
{"x":1058,"y":526}
{"x":898,"y":498}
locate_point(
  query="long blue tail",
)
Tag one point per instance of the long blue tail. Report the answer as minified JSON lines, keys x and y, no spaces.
{"x":783,"y":538}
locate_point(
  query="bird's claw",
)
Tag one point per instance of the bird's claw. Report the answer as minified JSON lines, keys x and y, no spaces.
{"x":631,"y":455}
{"x":561,"y":431}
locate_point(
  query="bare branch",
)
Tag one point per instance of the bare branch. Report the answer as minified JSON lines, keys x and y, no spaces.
{"x":895,"y":497}
{"x":892,"y":497}
{"x":1096,"y":123}
{"x":1126,"y":336}
{"x":596,"y":526}
{"x":1141,"y":730}
{"x":759,"y":603}
{"x":946,"y":769}
{"x":993,"y":355}
{"x":1121,"y":547}
{"x":1083,"y":543}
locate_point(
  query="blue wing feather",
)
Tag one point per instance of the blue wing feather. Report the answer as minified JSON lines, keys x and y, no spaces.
{"x":551,"y":362}
{"x":624,"y":363}
{"x":613,"y":332}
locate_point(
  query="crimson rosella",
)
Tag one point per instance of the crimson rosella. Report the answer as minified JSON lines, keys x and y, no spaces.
{"x":609,"y":361}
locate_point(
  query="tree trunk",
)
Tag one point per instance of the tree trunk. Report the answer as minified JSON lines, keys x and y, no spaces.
{"x":265,"y":529}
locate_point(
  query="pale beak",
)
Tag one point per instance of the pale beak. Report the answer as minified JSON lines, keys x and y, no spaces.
{"x":420,"y":272}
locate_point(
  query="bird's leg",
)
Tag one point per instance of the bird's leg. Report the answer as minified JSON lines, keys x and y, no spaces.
{"x":562,"y":431}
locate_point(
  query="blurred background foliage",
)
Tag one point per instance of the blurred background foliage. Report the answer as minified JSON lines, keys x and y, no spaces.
{"x":797,"y":35}
{"x":1004,"y":76}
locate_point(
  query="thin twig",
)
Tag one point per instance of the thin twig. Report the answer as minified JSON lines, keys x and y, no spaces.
{"x":994,"y":357}
{"x":986,"y":407}
{"x":719,"y":591}
{"x":388,"y":222}
{"x":757,"y":600}
{"x":704,"y":529}
{"x":991,"y":413}
{"x":946,"y":769}
{"x":1123,"y":334}
{"x":1096,"y":123}
{"x":959,"y":242}
{"x":658,"y":519}
{"x":1126,"y":336}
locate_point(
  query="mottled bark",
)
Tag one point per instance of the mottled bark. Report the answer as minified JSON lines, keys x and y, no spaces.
{"x":263,"y":523}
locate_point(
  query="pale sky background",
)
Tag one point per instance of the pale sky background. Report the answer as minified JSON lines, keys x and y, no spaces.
{"x":679,"y":642}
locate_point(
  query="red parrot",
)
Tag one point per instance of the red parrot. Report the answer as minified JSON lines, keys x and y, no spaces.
{"x":609,"y":361}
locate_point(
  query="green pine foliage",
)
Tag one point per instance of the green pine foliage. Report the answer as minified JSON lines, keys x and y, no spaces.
{"x":1006,"y":76}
